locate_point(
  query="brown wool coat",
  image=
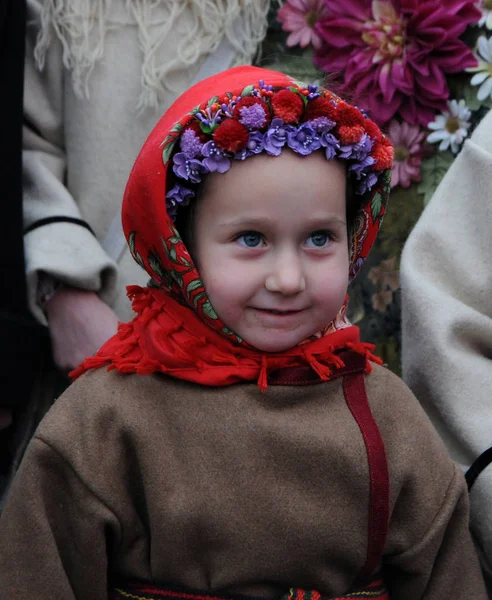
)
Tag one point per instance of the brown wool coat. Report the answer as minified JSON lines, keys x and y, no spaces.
{"x":230,"y":490}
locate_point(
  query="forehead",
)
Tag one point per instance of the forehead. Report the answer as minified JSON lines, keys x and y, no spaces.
{"x":268,"y":185}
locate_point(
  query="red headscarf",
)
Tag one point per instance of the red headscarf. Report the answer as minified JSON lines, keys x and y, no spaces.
{"x":176,"y":330}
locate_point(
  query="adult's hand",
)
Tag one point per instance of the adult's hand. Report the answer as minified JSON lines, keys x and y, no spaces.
{"x":79,"y":323}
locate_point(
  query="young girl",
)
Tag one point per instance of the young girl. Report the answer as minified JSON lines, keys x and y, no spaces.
{"x":244,"y":442}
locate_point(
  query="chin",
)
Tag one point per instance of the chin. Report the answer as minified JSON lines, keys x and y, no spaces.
{"x":273,"y":344}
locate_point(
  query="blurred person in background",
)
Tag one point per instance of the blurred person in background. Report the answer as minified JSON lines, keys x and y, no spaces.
{"x":447,"y":321}
{"x":97,"y":75}
{"x":21,"y":335}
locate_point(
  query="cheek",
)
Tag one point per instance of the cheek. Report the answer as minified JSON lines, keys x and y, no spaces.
{"x":228,"y":286}
{"x":329,"y":285}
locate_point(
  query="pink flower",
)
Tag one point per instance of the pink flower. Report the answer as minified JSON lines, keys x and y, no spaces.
{"x":395,"y":54}
{"x":300,"y":17}
{"x":406,"y":140}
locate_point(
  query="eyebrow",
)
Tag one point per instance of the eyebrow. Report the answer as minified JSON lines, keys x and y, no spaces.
{"x":262,"y":221}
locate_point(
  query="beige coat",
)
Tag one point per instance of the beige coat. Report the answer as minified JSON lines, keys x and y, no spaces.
{"x":230,"y":490}
{"x":447,"y":317}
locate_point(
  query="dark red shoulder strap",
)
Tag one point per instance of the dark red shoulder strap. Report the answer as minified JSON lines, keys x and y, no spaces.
{"x":356,"y":398}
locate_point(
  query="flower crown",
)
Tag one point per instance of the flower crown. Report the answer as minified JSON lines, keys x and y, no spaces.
{"x":302,"y":117}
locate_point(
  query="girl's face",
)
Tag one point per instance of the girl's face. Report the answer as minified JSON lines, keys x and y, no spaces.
{"x":270,"y":242}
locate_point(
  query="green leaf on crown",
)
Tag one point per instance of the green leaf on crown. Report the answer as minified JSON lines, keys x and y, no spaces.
{"x":168,"y":150}
{"x":247,"y":91}
{"x":178,"y":128}
{"x":213,"y":100}
{"x":194,"y":111}
{"x":296,"y":91}
{"x":205,"y":128}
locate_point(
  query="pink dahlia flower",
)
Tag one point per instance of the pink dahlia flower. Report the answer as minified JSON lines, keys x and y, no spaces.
{"x":395,"y":54}
{"x":300,"y":17}
{"x":406,"y":140}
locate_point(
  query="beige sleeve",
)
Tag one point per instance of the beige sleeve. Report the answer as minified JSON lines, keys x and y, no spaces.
{"x":447,"y":315}
{"x":55,"y":532}
{"x":65,"y":250}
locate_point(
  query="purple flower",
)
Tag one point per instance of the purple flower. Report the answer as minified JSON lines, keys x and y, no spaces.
{"x":210,"y":117}
{"x":215,"y":159}
{"x":303,"y":139}
{"x":190,"y":143}
{"x":321,"y":124}
{"x":255,"y":146}
{"x":178,"y":195}
{"x":253,"y":117}
{"x":360,"y":168}
{"x":358,"y":151}
{"x":361,"y":149}
{"x":228,"y":108}
{"x":188,"y":168}
{"x":364,"y":174}
{"x":368,"y":180}
{"x":331,"y":145}
{"x":275,"y":137}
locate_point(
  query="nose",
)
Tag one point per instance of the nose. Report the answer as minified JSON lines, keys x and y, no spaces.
{"x":286,"y":274}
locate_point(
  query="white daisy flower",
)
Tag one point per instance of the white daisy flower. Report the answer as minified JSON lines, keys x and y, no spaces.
{"x":450,"y":128}
{"x":483,"y":71}
{"x":486,"y":8}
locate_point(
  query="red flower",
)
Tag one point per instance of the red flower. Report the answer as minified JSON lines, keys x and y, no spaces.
{"x":320,"y":107}
{"x":230,"y":135}
{"x":383,"y":153}
{"x":348,"y":115}
{"x":350,"y":134}
{"x":287,"y":106}
{"x":372,"y":129}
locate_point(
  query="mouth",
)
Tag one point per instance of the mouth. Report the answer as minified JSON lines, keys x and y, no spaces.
{"x":273,"y":311}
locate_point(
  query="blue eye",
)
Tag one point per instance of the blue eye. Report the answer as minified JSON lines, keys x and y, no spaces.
{"x":318,"y":239}
{"x":252,"y":239}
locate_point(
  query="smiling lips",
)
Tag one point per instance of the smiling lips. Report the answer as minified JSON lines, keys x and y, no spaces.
{"x":272,"y":311}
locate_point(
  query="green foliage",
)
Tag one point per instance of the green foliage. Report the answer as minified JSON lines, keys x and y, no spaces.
{"x":298,"y":66}
{"x":194,"y":111}
{"x":205,"y":128}
{"x":247,"y":91}
{"x":404,"y":209}
{"x":432,"y":172}
{"x":168,"y":150}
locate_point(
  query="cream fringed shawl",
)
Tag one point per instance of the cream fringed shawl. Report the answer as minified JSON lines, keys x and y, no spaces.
{"x":82,"y":26}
